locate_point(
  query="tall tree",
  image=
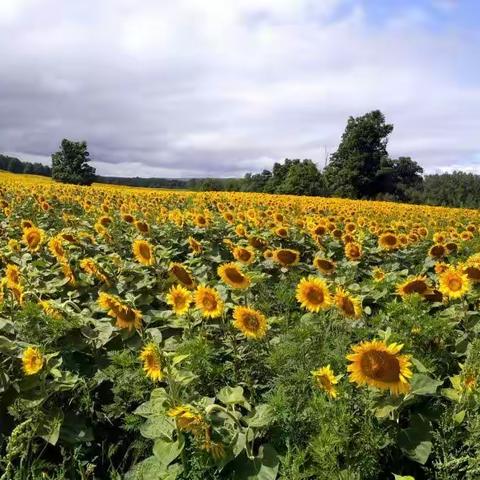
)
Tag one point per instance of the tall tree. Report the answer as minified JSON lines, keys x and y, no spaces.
{"x":70,"y":164}
{"x":303,"y":178}
{"x":354,"y":166}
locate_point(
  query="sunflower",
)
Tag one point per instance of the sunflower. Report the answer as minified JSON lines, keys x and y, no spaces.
{"x":17,"y":291}
{"x":188,"y":419}
{"x":142,"y":227}
{"x":379,"y":365}
{"x":327,"y":267}
{"x":378,"y":274}
{"x":152,"y":361}
{"x":414,"y":285}
{"x":49,"y":309}
{"x":437,"y":251}
{"x":244,"y":255}
{"x":313,"y":294}
{"x":125,"y":316}
{"x":182,"y":275}
{"x":195,"y":246}
{"x":179,"y":298}
{"x":326,"y":380}
{"x":353,"y":251}
{"x":250,"y":322}
{"x":33,"y":238}
{"x":201,"y":221}
{"x":56,"y":248}
{"x":32,"y":361}
{"x":208,"y":301}
{"x":454,"y":283}
{"x":348,"y":305}
{"x":126,"y":217}
{"x":281,"y":232}
{"x":143,"y":252}
{"x":388,"y":241}
{"x":472,"y":270}
{"x":286,"y":257}
{"x":13,"y":275}
{"x":13,"y":245}
{"x":90,"y":267}
{"x":232,"y":275}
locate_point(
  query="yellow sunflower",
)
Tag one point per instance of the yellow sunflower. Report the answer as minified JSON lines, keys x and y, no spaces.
{"x":378,"y":274}
{"x":413,"y":285}
{"x":454,"y":283}
{"x":244,"y":255}
{"x":143,"y":252}
{"x":437,"y":251}
{"x":33,"y":238}
{"x":56,"y":248}
{"x":13,"y":275}
{"x":388,"y":241}
{"x":195,"y":246}
{"x":348,"y":305}
{"x":125,"y":316}
{"x":250,"y":322}
{"x":152,"y":361}
{"x":353,"y":251}
{"x":32,"y":361}
{"x":208,"y":301}
{"x":182,"y":275}
{"x":188,"y":419}
{"x":179,"y":298}
{"x":286,"y":257}
{"x":232,"y":275}
{"x":313,"y":294}
{"x":327,"y":267}
{"x":379,"y":365}
{"x":326,"y":380}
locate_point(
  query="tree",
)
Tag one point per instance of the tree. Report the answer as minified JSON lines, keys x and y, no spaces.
{"x":353,"y":168}
{"x":303,"y":178}
{"x":70,"y":164}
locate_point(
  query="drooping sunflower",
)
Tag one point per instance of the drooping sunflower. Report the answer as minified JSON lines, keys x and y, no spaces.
{"x":232,"y":275}
{"x":437,"y":251}
{"x":143,"y":252}
{"x":454,"y":283}
{"x":326,"y":380}
{"x":286,"y":257}
{"x":182,"y":275}
{"x":49,"y":309}
{"x":188,"y":419}
{"x":348,"y":305}
{"x":413,"y":285}
{"x":152,"y":361}
{"x":125,"y":316}
{"x":56,"y":248}
{"x":353,"y":251}
{"x":13,"y":245}
{"x":380,"y":365}
{"x":179,"y":298}
{"x":90,"y":267}
{"x":208,"y":301}
{"x":388,"y":241}
{"x":327,"y":267}
{"x":32,"y":361}
{"x":250,"y":322}
{"x":244,"y":255}
{"x":33,"y":238}
{"x":13,"y":275}
{"x":195,"y":246}
{"x":313,"y":294}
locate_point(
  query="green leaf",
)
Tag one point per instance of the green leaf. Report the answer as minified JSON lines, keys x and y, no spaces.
{"x":158,"y":427}
{"x":153,"y":469}
{"x":424,"y":385}
{"x":231,"y":396}
{"x":263,"y":467}
{"x":403,"y":477}
{"x":167,"y":451}
{"x":415,"y":441}
{"x":179,"y":358}
{"x":50,"y":429}
{"x":262,"y":417}
{"x":459,"y":417}
{"x":419,"y":365}
{"x":451,"y":394}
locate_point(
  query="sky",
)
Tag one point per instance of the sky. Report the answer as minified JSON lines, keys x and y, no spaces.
{"x":195,"y":88}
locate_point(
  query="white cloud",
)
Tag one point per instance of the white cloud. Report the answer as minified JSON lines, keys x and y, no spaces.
{"x":193,"y":88}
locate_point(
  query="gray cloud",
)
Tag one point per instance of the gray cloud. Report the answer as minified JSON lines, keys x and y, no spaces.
{"x":193,"y":88}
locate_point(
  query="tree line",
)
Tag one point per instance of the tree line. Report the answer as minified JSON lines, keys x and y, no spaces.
{"x":360,"y":168}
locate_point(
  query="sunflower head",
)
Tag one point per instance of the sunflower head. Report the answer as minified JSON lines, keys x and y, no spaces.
{"x":143,"y":252}
{"x":208,"y":301}
{"x":286,"y":257}
{"x":32,"y":361}
{"x":233,"y":276}
{"x":182,"y":275}
{"x":33,"y":238}
{"x":55,"y":246}
{"x":325,"y":266}
{"x":152,"y":361}
{"x":244,"y":255}
{"x":188,"y":419}
{"x":250,"y":322}
{"x":454,"y":283}
{"x":379,"y":365}
{"x":414,"y":285}
{"x":326,"y":380}
{"x":313,"y":294}
{"x":437,"y":251}
{"x":378,"y":274}
{"x":179,"y":298}
{"x":13,"y":275}
{"x":348,"y":305}
{"x":353,"y":251}
{"x":388,"y":241}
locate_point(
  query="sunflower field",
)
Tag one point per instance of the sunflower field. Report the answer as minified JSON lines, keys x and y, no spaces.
{"x":153,"y":334}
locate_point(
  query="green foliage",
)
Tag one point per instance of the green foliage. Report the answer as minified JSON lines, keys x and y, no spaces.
{"x":70,"y":164}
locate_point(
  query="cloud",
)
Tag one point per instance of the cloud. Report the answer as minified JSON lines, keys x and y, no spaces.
{"x":193,"y":88}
